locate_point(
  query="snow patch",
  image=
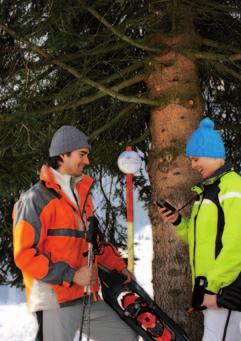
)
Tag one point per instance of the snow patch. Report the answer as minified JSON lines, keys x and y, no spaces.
{"x":16,"y":323}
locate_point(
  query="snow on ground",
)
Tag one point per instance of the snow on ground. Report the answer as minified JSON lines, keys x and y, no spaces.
{"x":143,"y":251}
{"x":17,"y":324}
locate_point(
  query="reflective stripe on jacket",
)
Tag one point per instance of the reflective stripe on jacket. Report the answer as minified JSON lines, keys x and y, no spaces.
{"x":213,"y":231}
{"x":48,"y":242}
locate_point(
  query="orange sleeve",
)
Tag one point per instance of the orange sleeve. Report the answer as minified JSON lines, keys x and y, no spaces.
{"x":26,"y":256}
{"x":28,"y":234}
{"x":110,"y":258}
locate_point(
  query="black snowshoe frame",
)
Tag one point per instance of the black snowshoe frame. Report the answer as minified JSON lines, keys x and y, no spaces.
{"x":113,"y":291}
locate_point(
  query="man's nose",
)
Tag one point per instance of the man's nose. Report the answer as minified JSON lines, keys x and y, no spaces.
{"x":86,"y":160}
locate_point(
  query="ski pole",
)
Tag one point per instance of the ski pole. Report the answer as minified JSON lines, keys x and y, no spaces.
{"x":87,"y":293}
{"x":82,"y":318}
{"x":90,"y":264}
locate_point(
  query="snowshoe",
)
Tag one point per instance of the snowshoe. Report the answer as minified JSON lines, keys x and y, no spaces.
{"x":137,"y":309}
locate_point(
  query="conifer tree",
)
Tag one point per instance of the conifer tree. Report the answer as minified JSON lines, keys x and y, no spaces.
{"x":138,"y":73}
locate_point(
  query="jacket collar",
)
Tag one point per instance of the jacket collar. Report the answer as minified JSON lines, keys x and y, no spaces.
{"x":226,"y":168}
{"x":65,"y":179}
{"x":47,"y":176}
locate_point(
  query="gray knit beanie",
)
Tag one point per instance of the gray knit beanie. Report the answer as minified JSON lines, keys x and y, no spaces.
{"x":66,"y":139}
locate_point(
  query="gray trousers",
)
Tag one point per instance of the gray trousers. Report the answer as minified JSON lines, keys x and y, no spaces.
{"x":216,"y":322}
{"x":105,"y":325}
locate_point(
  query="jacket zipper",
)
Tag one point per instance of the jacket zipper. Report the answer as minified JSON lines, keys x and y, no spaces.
{"x":78,"y":206}
{"x":194,"y":243}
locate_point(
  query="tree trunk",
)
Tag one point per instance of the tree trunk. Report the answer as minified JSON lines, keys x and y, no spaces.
{"x":175,"y":79}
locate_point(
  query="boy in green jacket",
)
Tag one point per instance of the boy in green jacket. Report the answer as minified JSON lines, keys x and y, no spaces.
{"x":213,"y":232}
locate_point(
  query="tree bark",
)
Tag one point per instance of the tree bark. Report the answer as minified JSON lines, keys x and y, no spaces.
{"x":171,"y":177}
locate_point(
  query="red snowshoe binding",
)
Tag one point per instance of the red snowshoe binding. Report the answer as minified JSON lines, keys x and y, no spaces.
{"x":137,"y":309}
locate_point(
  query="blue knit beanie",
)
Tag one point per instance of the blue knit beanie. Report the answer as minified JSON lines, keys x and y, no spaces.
{"x":205,"y":141}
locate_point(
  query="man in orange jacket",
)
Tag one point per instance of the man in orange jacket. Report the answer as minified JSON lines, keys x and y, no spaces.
{"x":50,"y":246}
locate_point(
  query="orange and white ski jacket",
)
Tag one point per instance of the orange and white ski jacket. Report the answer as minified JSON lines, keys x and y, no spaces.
{"x":49,"y":245}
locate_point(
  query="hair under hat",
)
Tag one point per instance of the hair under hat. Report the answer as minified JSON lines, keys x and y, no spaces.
{"x":205,"y":141}
{"x":66,"y":139}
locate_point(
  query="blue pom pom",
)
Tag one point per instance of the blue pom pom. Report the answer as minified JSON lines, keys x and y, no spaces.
{"x":206,"y":123}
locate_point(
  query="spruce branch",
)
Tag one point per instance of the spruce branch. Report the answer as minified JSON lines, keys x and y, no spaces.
{"x":214,"y":56}
{"x":218,"y":45}
{"x":113,"y":122}
{"x":121,"y":35}
{"x":113,"y":77}
{"x":74,"y":72}
{"x":141,"y":138}
{"x":226,"y":70}
{"x":89,"y":99}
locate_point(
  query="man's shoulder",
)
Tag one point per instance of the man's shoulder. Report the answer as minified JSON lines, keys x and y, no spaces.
{"x":32,"y":203}
{"x":37,"y":193}
{"x":33,"y":191}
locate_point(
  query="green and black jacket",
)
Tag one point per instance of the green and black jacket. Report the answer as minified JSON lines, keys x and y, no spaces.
{"x":213,"y":231}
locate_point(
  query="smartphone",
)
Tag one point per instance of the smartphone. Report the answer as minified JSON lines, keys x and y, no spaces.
{"x":164,"y":204}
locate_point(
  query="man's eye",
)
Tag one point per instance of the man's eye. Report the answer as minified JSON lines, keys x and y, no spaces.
{"x":84,"y":154}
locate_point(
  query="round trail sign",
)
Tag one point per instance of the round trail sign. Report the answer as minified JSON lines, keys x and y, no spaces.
{"x":129,"y":162}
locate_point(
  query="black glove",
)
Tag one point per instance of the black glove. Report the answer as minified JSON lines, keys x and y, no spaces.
{"x":94,"y":234}
{"x":198,"y":294}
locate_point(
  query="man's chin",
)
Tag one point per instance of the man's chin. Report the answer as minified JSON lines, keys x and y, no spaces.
{"x":77,"y":174}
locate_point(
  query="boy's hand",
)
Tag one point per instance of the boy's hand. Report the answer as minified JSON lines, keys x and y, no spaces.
{"x":168,"y":216}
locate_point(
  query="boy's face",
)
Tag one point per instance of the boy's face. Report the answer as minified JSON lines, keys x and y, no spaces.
{"x":75,"y":163}
{"x":206,"y":166}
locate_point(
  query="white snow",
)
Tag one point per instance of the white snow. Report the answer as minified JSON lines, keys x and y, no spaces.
{"x":143,"y":251}
{"x":16,"y":324}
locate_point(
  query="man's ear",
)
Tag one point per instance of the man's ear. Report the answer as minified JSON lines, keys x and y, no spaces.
{"x":61,"y":157}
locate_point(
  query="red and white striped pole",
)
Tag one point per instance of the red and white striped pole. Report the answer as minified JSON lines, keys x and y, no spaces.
{"x":129,"y":162}
{"x":130,"y":220}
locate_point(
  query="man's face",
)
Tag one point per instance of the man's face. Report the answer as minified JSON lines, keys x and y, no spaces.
{"x":206,"y":166}
{"x":75,"y":163}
